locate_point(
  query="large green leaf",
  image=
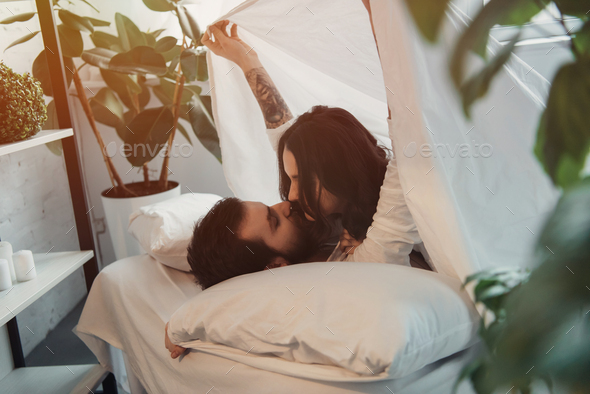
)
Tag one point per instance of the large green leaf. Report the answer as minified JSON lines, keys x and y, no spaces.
{"x":75,"y":22}
{"x":18,"y":18}
{"x":22,"y":39}
{"x":582,"y":39}
{"x":188,"y":64}
{"x":189,"y":24}
{"x":139,"y":60}
{"x":172,"y":53}
{"x":564,"y":135}
{"x":97,"y":22}
{"x":169,"y":88}
{"x":475,"y":37}
{"x":194,"y":65}
{"x":151,"y":130}
{"x":129,"y":33}
{"x":150,"y":40}
{"x":105,"y":40}
{"x":165,"y":44}
{"x":107,"y":108}
{"x":156,"y":33}
{"x":579,"y":8}
{"x":124,"y":85}
{"x":85,"y":2}
{"x":159,"y":5}
{"x":203,"y":124}
{"x":428,"y":15}
{"x":202,"y":70}
{"x":478,"y":85}
{"x":71,"y":41}
{"x":522,"y":13}
{"x":119,"y":82}
{"x":41,"y":71}
{"x":98,"y":57}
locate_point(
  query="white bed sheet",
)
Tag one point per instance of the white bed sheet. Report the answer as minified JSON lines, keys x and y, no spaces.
{"x":131,"y":301}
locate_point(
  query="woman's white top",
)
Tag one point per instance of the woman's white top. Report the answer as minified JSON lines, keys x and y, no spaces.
{"x":393,"y":233}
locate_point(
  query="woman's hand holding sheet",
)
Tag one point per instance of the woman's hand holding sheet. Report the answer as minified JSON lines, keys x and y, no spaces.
{"x":347,"y":243}
{"x":175,"y":350}
{"x":230,"y":46}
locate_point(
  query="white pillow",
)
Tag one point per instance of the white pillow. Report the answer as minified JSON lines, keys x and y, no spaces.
{"x":373,"y":319}
{"x":165,"y":229}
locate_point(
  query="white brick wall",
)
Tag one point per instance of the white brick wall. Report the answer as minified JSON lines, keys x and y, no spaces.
{"x":36,"y":213}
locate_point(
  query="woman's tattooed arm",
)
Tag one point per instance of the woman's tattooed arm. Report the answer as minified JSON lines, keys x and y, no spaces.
{"x":274,"y":109}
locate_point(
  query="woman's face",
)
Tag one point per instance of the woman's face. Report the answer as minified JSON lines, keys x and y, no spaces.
{"x":328,"y":203}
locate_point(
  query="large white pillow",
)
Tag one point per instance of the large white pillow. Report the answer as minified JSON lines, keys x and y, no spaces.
{"x":373,"y":319}
{"x":165,"y":229}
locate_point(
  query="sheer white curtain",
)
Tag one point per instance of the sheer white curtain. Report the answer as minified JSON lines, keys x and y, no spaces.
{"x":475,"y":190}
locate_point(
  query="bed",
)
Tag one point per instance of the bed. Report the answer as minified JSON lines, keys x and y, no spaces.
{"x":131,"y":301}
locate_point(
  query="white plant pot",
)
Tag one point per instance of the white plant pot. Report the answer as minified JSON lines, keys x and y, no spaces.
{"x":117,"y":212}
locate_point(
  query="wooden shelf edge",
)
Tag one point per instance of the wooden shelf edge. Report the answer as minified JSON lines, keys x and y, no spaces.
{"x":43,"y":137}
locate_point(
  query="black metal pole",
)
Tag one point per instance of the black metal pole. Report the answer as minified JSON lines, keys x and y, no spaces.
{"x":57,"y":72}
{"x":16,"y":347}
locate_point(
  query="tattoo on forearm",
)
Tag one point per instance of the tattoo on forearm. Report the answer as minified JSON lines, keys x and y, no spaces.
{"x":274,"y":108}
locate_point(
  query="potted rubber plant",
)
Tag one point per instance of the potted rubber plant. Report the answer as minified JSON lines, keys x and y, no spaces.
{"x":134,"y":66}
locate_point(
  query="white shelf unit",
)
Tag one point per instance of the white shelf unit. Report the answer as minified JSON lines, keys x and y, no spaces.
{"x":51,"y":269}
{"x":74,"y":379}
{"x":43,"y":137}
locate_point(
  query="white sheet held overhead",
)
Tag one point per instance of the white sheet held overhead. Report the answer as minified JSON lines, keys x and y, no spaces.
{"x":475,"y":190}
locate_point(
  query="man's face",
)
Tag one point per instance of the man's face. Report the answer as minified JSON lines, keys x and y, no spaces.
{"x":278,"y":226}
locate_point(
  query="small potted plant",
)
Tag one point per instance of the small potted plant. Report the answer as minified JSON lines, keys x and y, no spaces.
{"x":22,"y":107}
{"x":134,"y":66}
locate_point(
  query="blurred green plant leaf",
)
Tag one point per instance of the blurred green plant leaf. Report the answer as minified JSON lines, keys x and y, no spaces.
{"x":522,"y":13}
{"x":75,"y":22}
{"x":169,"y":88}
{"x":22,"y":40}
{"x":119,"y":82}
{"x":87,"y":3}
{"x":475,"y":37}
{"x":18,"y":18}
{"x":141,"y":59}
{"x":581,"y":39}
{"x":156,"y":33}
{"x":188,"y":64}
{"x":202,"y":70}
{"x":151,"y":130}
{"x":41,"y":72}
{"x":129,"y":34}
{"x":97,"y":22}
{"x":203,"y":125}
{"x":107,"y":108}
{"x":172,"y":53}
{"x":189,"y":24}
{"x":98,"y":57}
{"x":159,"y":5}
{"x":578,"y":8}
{"x":105,"y":40}
{"x":71,"y":41}
{"x":165,"y":44}
{"x":478,"y":85}
{"x":563,"y":138}
{"x":150,"y":40}
{"x":428,"y":15}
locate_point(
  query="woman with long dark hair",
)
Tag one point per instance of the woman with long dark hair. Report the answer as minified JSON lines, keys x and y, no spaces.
{"x":330,"y":165}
